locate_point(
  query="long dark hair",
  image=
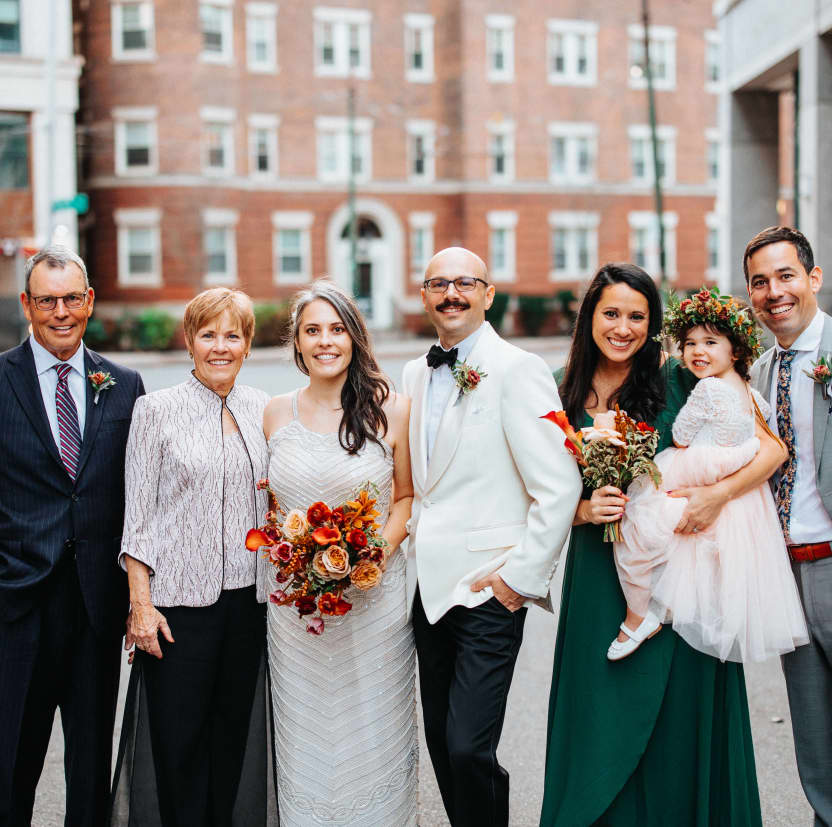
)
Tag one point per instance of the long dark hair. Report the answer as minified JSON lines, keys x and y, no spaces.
{"x":366,"y":388}
{"x":642,"y":393}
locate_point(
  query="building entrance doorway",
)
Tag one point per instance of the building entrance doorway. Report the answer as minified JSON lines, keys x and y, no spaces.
{"x":367,"y":281}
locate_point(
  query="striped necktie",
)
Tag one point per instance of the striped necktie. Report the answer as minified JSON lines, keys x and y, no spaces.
{"x":70,"y":433}
{"x":785,"y":483}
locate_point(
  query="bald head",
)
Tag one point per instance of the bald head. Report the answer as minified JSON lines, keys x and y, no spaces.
{"x":454,"y":258}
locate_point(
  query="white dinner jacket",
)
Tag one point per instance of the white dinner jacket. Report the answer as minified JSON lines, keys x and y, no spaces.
{"x":500,"y":489}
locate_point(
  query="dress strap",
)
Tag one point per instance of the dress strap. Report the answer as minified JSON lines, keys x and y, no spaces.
{"x":295,"y":403}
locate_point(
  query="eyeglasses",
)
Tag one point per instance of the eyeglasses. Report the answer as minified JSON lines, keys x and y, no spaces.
{"x":463,"y":284}
{"x":71,"y":300}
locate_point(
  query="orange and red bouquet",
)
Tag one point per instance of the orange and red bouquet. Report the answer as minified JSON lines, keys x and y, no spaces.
{"x":320,"y":552}
{"x":613,"y":451}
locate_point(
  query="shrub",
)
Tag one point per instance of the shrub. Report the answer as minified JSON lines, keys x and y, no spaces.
{"x":497,"y":312}
{"x":533,"y":313}
{"x":151,"y":329}
{"x":97,"y":335}
{"x":271,"y":324}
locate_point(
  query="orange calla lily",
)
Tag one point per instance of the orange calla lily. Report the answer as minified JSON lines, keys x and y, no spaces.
{"x":255,"y":539}
{"x":562,"y":421}
{"x":325,"y":535}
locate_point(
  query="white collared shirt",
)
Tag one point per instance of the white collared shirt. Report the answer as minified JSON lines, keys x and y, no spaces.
{"x":442,"y":384}
{"x":48,"y":379}
{"x":809,"y":522}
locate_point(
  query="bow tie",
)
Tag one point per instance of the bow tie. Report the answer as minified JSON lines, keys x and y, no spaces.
{"x":437,"y":357}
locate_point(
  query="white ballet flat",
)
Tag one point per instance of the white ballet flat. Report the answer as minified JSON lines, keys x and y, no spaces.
{"x":646,"y":629}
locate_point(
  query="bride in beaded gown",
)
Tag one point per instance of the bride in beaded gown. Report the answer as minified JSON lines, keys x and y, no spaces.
{"x":344,"y":701}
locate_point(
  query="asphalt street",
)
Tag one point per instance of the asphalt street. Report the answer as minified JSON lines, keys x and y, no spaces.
{"x":523,"y":745}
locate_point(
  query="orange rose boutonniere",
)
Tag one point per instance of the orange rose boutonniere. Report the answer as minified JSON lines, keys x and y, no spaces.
{"x":100,"y":382}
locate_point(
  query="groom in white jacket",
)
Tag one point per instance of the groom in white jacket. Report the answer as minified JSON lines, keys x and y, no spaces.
{"x":495,"y":494}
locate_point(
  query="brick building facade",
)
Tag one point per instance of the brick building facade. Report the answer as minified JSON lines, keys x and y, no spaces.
{"x":217,"y":143}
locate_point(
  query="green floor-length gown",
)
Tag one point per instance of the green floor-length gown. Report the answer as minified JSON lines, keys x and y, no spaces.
{"x":662,"y":737}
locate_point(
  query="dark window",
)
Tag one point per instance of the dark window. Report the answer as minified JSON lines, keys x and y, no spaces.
{"x":14,"y":152}
{"x":10,"y":26}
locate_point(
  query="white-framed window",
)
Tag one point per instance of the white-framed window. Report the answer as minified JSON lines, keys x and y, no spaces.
{"x":641,"y":153}
{"x":713,"y":69}
{"x":342,"y":42}
{"x":132,"y":30}
{"x":333,"y":146}
{"x":136,"y":140}
{"x":139,"y":247}
{"x":218,"y":140}
{"x":574,"y":245}
{"x":573,"y":148}
{"x":261,"y":37}
{"x":712,"y":151}
{"x":502,"y":256}
{"x":421,"y":150}
{"x":712,"y":241}
{"x":421,"y":243}
{"x":501,"y":151}
{"x":262,"y":146}
{"x":219,"y":246}
{"x":291,"y":247}
{"x":418,"y":47}
{"x":644,"y":241}
{"x":662,"y":56}
{"x":217,"y":26}
{"x":572,"y":52}
{"x":499,"y":42}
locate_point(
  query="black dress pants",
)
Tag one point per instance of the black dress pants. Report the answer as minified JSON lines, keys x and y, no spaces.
{"x":52,"y":658}
{"x":199,"y":702}
{"x":466,"y":662}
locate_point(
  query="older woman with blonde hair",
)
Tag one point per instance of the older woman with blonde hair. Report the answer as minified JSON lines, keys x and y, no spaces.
{"x":197,"y":617}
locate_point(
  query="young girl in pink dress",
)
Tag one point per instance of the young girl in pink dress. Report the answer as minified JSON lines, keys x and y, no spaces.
{"x":728,"y":590}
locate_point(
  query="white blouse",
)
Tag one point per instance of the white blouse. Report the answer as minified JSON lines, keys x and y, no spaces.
{"x":177,"y":499}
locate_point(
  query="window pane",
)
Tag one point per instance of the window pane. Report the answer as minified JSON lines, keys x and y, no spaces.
{"x":291,"y":260}
{"x":583,"y":59}
{"x":355,"y":45}
{"x":214,"y":240}
{"x":582,"y":146}
{"x":139,"y":250}
{"x":498,"y":154}
{"x":556,"y":41}
{"x":559,"y":156}
{"x":417,"y":249}
{"x":582,"y":238}
{"x":417,"y":57}
{"x":10,"y":26}
{"x":712,"y":62}
{"x":216,"y":145}
{"x":560,"y":241}
{"x":713,"y":160}
{"x":497,"y":49}
{"x":713,"y":248}
{"x":262,"y":150}
{"x":137,"y":142}
{"x":327,"y":37}
{"x":133,"y":32}
{"x":640,"y":242}
{"x":14,"y":152}
{"x":418,"y":155}
{"x":211,"y":20}
{"x":638,"y":150}
{"x":498,"y":249}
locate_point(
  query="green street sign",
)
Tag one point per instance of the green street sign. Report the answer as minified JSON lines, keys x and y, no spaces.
{"x":80,"y":203}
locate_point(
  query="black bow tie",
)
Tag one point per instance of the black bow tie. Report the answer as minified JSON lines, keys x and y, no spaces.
{"x":437,"y":357}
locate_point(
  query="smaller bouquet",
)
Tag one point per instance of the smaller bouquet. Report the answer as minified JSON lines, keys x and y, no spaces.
{"x":614,"y":451}
{"x":319,"y":552}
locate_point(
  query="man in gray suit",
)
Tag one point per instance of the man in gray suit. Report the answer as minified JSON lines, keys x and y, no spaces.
{"x":783,"y":282}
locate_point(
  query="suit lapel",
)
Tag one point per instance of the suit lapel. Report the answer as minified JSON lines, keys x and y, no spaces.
{"x":766,"y":373}
{"x":821,"y":406}
{"x":447,"y":438}
{"x":94,"y":412}
{"x":26,"y":387}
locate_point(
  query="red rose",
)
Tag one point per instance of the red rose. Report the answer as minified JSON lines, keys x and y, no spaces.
{"x":318,"y":513}
{"x":328,"y":603}
{"x":685,"y":304}
{"x":338,"y":516}
{"x":274,"y":534}
{"x":305,"y":605}
{"x":473,"y":378}
{"x":644,"y":428}
{"x":325,"y":536}
{"x":262,"y":484}
{"x":357,"y":538}
{"x":703,"y":295}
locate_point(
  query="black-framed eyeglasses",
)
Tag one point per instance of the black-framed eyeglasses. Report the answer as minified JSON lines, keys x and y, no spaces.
{"x":71,"y":300}
{"x":463,"y":284}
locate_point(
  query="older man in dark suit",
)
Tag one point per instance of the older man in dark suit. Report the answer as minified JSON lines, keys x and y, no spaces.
{"x":64,"y":419}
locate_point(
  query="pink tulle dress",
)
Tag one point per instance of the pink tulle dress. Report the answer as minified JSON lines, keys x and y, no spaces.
{"x":729,"y":590}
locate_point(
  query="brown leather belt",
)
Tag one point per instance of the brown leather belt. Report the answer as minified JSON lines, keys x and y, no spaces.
{"x":808,"y":552}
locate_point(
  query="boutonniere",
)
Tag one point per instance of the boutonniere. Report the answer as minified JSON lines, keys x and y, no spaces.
{"x":821,"y":373}
{"x":100,"y":381}
{"x":466,"y":377}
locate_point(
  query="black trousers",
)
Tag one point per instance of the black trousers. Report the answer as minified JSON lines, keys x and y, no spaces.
{"x":199,"y":701}
{"x":466,"y":662}
{"x":51,"y":658}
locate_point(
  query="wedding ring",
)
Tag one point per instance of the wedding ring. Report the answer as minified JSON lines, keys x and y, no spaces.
{"x":695,"y":530}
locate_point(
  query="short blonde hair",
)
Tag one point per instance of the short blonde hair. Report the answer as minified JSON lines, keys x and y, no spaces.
{"x":211,"y":304}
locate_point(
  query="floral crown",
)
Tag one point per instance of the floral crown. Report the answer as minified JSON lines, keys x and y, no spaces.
{"x":712,"y":308}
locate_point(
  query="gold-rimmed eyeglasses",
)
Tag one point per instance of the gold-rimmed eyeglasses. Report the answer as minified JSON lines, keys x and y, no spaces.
{"x":71,"y":300}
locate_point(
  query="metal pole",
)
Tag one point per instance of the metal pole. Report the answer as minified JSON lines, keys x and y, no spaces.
{"x":796,"y":153}
{"x":50,"y":121}
{"x":651,"y":106}
{"x":351,"y":192}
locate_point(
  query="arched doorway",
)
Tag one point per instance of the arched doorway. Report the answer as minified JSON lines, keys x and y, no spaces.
{"x":378,"y":282}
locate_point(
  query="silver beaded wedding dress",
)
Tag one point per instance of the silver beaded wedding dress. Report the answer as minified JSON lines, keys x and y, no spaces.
{"x":344,"y":702}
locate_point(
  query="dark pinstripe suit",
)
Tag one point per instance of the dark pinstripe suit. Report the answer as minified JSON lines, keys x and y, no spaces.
{"x":63,"y":598}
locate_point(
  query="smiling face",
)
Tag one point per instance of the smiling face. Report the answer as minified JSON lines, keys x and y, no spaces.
{"x":323,"y":341}
{"x":620,"y":323}
{"x":59,"y":330}
{"x":707,"y":353}
{"x":454,"y":314}
{"x":782,"y":293}
{"x":219,"y":348}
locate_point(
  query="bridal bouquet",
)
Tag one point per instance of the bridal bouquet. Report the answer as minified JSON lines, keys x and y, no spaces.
{"x":317,"y":553}
{"x":614,"y":451}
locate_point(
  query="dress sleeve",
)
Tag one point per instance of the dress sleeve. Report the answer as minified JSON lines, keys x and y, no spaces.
{"x":693,"y":414}
{"x":142,"y":467}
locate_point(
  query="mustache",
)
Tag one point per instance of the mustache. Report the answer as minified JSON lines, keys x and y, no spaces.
{"x":448,"y":303}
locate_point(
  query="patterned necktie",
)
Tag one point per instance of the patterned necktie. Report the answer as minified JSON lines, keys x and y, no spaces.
{"x":785,"y":483}
{"x":68,"y":430}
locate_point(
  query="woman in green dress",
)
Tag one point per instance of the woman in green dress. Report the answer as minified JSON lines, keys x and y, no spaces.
{"x":662,"y":737}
